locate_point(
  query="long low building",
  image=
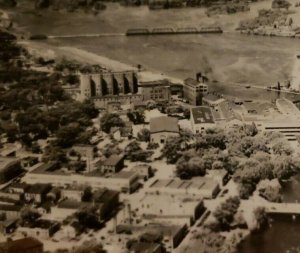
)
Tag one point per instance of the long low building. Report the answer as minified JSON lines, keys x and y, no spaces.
{"x":198,"y":187}
{"x":123,"y":181}
{"x":167,"y":207}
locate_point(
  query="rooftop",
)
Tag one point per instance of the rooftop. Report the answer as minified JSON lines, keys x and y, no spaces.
{"x":163,"y":82}
{"x":212,"y":98}
{"x":164,"y":124}
{"x":13,"y":208}
{"x":199,"y":183}
{"x":202,"y":115}
{"x":144,"y":247}
{"x":113,"y":160}
{"x":38,"y":188}
{"x":192,"y":82}
{"x":7,"y":161}
{"x":21,"y":245}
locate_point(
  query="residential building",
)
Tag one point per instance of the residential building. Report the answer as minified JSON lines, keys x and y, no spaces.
{"x":108,"y":201}
{"x":155,"y":90}
{"x":163,"y":127}
{"x":144,"y":171}
{"x":86,"y":151}
{"x":66,"y":208}
{"x":194,"y":91}
{"x":43,"y":229}
{"x":37,"y":192}
{"x":11,"y":212}
{"x":25,"y":245}
{"x":112,"y":164}
{"x":202,"y":119}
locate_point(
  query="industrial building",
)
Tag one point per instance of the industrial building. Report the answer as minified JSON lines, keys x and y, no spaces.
{"x":194,"y":90}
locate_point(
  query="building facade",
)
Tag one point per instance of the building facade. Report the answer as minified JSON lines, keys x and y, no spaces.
{"x":194,"y":90}
{"x":162,"y":128}
{"x":155,"y":90}
{"x":108,"y":83}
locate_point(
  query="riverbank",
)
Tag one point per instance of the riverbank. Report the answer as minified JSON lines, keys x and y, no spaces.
{"x":85,"y":57}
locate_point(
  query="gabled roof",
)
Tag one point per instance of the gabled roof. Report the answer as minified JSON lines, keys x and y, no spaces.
{"x":113,"y":160}
{"x":164,"y":124}
{"x":202,"y":115}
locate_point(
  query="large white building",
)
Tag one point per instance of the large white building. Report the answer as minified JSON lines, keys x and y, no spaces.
{"x":163,"y":127}
{"x":201,"y":119}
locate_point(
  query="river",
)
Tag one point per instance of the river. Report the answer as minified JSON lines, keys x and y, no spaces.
{"x":228,"y":57}
{"x":284,"y":232}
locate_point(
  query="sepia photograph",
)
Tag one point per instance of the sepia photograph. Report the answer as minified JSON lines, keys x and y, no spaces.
{"x":149,"y":126}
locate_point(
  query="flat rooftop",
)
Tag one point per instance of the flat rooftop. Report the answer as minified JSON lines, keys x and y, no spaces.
{"x":164,"y":124}
{"x":202,"y":115}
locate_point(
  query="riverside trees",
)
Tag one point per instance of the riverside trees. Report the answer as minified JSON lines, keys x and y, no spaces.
{"x":247,"y":155}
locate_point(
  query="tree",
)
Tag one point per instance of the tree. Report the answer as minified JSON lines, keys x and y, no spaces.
{"x":282,"y":147}
{"x":54,"y":154}
{"x":144,"y":135}
{"x":285,"y":167}
{"x":224,"y":213}
{"x":110,"y":120}
{"x":215,"y":138}
{"x":173,"y":148}
{"x":261,"y":217}
{"x":134,"y":152}
{"x":87,"y":194}
{"x":136,"y":117}
{"x":66,"y":135}
{"x":29,"y":215}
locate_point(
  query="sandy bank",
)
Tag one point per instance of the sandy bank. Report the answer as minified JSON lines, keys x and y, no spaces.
{"x":83,"y":56}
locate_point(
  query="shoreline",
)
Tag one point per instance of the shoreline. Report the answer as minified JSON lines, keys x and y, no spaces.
{"x":85,"y":56}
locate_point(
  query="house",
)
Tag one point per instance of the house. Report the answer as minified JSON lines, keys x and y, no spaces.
{"x":73,"y":192}
{"x":18,"y":187}
{"x":113,"y":164}
{"x":202,"y":119}
{"x":25,"y":245}
{"x":86,"y":151}
{"x":37,"y":192}
{"x":108,"y":200}
{"x":10,"y":211}
{"x":145,"y":247}
{"x":144,"y":171}
{"x":43,"y":229}
{"x":10,"y":167}
{"x":163,"y":127}
{"x":65,"y":208}
{"x":29,"y":161}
